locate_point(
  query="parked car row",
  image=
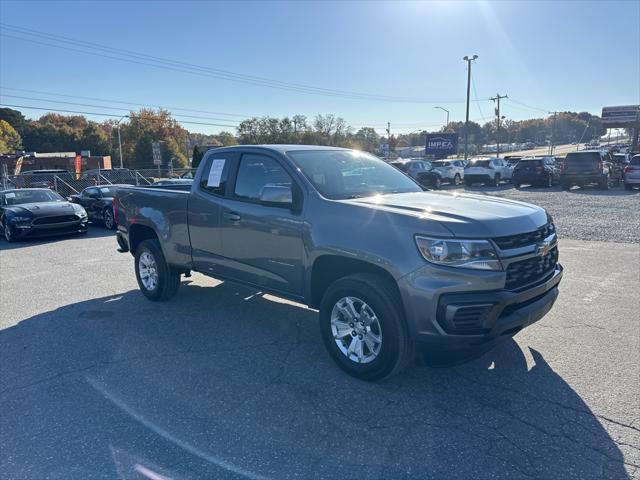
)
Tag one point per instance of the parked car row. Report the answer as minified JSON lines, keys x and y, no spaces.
{"x":581,"y":168}
{"x":36,"y":212}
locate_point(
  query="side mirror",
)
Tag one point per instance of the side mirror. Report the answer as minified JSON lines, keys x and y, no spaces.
{"x":276,"y":196}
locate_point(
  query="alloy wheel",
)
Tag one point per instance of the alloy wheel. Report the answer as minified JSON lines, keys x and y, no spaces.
{"x":148,"y":271}
{"x":356,"y":330}
{"x":108,"y":219}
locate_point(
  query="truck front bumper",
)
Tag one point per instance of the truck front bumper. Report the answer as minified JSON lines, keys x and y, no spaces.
{"x":459,"y":315}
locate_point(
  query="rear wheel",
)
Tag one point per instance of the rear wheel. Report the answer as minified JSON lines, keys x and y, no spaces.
{"x":457,"y":180}
{"x":604,"y":183}
{"x":156,"y":279}
{"x":363,"y":326}
{"x":107,"y":218}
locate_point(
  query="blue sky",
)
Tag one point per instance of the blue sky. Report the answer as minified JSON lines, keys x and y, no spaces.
{"x":548,"y":56}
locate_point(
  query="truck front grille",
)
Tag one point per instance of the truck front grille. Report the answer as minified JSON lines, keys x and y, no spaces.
{"x":531,"y":270}
{"x":524,"y":239}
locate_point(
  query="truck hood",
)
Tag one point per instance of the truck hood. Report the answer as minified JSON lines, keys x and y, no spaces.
{"x":464,"y":215}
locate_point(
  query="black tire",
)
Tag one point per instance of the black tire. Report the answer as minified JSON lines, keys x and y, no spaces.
{"x":7,"y":231}
{"x":108,"y":220}
{"x":168,"y":280}
{"x":457,"y":180}
{"x":496,"y":180}
{"x":437,"y":184}
{"x":604,"y":183}
{"x":381,"y":296}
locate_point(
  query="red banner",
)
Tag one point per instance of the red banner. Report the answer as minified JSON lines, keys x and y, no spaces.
{"x":78,"y":164}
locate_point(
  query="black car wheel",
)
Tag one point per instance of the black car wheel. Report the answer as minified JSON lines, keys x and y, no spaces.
{"x":496,"y":180}
{"x":8,"y":232}
{"x":156,"y":279}
{"x":457,"y":180}
{"x":107,"y":218}
{"x":363,"y":327}
{"x":605,"y":182}
{"x":437,"y":183}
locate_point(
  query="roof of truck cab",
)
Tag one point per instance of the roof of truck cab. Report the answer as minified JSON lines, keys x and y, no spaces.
{"x":280,"y":148}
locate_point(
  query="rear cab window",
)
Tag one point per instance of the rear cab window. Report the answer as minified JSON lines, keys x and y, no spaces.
{"x":215,"y":175}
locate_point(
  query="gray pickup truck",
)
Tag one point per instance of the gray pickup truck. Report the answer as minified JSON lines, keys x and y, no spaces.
{"x":393,"y":269}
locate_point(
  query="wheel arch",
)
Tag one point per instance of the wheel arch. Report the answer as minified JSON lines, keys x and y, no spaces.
{"x":328,"y":268}
{"x":139,"y":233}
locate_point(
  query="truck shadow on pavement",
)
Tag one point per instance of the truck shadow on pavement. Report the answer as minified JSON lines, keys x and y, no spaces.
{"x":224,"y":382}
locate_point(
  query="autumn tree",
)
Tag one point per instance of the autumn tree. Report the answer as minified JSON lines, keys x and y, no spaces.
{"x":10,"y":140}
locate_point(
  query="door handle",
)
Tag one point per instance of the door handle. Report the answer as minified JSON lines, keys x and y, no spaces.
{"x":234,"y":217}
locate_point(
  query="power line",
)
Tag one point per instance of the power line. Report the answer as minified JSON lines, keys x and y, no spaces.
{"x":112,"y":115}
{"x":475,"y":94}
{"x":168,"y":64}
{"x":545,"y":110}
{"x":108,"y":106}
{"x":122,"y":102}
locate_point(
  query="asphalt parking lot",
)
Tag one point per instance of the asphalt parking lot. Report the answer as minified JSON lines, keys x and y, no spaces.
{"x":225,"y":382}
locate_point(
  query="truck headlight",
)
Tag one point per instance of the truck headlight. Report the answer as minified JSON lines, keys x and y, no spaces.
{"x":80,"y":211}
{"x":476,"y":254}
{"x":20,"y":219}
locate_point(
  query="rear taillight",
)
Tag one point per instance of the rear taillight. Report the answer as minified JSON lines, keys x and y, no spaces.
{"x":114,"y":207}
{"x":628,"y":168}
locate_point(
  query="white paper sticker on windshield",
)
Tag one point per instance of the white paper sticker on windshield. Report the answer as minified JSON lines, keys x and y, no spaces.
{"x":10,"y":195}
{"x":104,"y":190}
{"x":216,"y":173}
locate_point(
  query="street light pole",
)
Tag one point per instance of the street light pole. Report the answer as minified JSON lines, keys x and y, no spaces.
{"x":466,"y":122}
{"x":120,"y":141}
{"x":444,"y":109}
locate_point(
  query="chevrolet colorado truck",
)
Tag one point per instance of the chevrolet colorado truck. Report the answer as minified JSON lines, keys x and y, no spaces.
{"x":394,"y":270}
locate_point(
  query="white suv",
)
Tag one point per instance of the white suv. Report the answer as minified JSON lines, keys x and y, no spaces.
{"x":451,"y":171}
{"x":487,"y":170}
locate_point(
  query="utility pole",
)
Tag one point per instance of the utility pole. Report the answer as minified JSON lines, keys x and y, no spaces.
{"x":553,"y":132}
{"x":388,"y":139}
{"x":466,"y":122}
{"x":497,"y":99}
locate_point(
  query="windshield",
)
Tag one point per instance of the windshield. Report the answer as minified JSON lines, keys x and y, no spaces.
{"x":440,"y":164}
{"x":18,"y":197}
{"x":340,"y":174}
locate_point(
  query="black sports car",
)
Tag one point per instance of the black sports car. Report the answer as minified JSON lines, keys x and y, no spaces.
{"x":98,"y":202}
{"x":35,"y":212}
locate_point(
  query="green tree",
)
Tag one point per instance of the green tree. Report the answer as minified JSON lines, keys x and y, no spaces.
{"x":15,"y":119}
{"x":9,"y":138}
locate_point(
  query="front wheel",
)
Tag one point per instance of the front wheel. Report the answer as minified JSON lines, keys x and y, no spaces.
{"x":496,"y":180}
{"x":9,"y":236}
{"x":363,"y":326}
{"x":457,"y":180}
{"x":156,"y":279}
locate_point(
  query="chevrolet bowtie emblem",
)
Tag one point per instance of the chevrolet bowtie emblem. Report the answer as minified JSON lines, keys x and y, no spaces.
{"x":546,"y":245}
